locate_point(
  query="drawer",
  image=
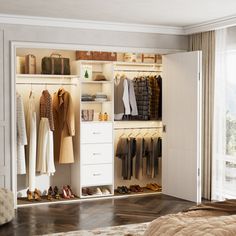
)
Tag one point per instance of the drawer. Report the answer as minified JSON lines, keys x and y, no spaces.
{"x":96,"y":133}
{"x":96,"y":154}
{"x":94,"y":175}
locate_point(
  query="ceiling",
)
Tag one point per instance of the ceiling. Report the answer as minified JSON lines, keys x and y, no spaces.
{"x":178,"y":13}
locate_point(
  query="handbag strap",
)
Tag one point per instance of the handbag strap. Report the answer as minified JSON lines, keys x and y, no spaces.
{"x":55,"y":54}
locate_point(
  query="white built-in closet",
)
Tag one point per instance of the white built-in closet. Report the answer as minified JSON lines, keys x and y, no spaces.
{"x":95,"y":141}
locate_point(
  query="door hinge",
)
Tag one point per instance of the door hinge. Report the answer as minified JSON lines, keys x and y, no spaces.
{"x":198,"y":171}
{"x":199,"y":75}
{"x":164,"y":129}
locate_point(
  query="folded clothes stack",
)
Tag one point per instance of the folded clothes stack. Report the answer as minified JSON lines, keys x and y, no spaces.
{"x":100,"y":96}
{"x":87,"y":97}
{"x":95,"y":191}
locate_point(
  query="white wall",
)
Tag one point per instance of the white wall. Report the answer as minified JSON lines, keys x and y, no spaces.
{"x":52,"y":35}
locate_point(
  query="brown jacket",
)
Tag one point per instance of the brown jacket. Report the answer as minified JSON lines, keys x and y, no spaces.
{"x":64,"y":122}
{"x":46,"y":108}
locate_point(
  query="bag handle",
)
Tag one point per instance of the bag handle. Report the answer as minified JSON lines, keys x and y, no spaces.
{"x":55,"y":54}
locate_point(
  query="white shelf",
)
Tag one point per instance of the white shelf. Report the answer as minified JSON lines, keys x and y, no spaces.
{"x":120,"y":63}
{"x":95,"y":62}
{"x":95,"y":82}
{"x":96,"y":121}
{"x":95,"y":196}
{"x":94,"y":102}
{"x":46,"y":76}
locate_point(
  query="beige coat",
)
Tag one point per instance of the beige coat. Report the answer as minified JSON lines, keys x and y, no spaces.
{"x":64,"y":123}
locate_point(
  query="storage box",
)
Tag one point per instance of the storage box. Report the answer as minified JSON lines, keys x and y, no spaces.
{"x":87,"y":115}
{"x":20,"y":65}
{"x":132,"y":57}
{"x":148,"y":58}
{"x":30,"y":64}
{"x":95,"y":55}
{"x":111,"y":56}
{"x":84,"y":55}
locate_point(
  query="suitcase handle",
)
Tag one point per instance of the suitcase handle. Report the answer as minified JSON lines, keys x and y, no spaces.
{"x":55,"y":54}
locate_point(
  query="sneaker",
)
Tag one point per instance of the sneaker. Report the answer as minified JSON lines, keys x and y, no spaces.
{"x":97,"y":191}
{"x":105,"y":191}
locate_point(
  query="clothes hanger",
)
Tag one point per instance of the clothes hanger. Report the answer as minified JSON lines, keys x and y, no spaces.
{"x":123,"y":134}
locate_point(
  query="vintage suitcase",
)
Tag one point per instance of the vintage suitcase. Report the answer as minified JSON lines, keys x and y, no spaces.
{"x":30,"y":64}
{"x":111,"y":56}
{"x":55,"y":65}
{"x":84,"y":55}
{"x":148,"y":58}
{"x":100,"y":56}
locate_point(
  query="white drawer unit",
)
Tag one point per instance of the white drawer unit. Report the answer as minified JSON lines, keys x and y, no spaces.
{"x":95,"y":175}
{"x":96,"y":133}
{"x":96,"y":154}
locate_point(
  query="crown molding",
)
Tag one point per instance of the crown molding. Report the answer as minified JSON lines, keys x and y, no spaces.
{"x":86,"y":24}
{"x":210,"y":25}
{"x":117,"y":26}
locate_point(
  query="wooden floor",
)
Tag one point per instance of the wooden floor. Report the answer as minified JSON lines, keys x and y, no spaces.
{"x":54,"y":218}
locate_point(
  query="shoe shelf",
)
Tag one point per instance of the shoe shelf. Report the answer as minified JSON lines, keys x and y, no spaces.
{"x":145,"y":192}
{"x":23,"y":201}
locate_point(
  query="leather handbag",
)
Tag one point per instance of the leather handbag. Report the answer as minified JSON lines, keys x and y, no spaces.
{"x":55,"y":65}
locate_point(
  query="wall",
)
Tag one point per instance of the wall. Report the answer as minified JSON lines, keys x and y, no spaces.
{"x":8,"y":33}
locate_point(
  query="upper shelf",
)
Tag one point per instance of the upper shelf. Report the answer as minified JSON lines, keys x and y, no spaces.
{"x":120,"y":63}
{"x":46,"y":76}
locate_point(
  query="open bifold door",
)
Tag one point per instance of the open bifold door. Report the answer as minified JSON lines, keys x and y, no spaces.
{"x":181,"y":157}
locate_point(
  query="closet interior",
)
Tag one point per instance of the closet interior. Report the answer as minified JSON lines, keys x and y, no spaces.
{"x":89,"y":124}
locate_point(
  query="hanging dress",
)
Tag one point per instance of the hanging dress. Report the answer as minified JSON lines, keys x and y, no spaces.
{"x":31,"y":128}
{"x":21,"y":135}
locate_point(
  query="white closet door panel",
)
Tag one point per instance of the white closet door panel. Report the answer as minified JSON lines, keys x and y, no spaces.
{"x":96,"y":133}
{"x":93,"y":175}
{"x":181,"y":116}
{"x":96,"y":154}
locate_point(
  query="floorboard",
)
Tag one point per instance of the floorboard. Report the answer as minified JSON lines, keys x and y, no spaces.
{"x":37,"y":220}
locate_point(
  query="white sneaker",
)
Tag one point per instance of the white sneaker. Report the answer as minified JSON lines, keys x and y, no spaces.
{"x":97,"y":191}
{"x":105,"y":191}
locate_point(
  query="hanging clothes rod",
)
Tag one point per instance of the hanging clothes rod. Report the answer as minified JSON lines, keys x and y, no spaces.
{"x":120,"y":128}
{"x":35,"y":83}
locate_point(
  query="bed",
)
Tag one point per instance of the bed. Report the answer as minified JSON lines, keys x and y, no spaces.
{"x":217,"y":218}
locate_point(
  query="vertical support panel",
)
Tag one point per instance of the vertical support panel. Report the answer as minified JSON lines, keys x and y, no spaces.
{"x":5,"y":162}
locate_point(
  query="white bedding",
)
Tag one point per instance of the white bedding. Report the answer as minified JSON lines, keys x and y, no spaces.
{"x":193,"y":223}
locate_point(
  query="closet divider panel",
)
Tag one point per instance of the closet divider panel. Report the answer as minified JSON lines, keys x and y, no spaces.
{"x":5,"y":162}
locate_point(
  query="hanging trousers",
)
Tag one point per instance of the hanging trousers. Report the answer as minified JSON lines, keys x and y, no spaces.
{"x":45,"y":158}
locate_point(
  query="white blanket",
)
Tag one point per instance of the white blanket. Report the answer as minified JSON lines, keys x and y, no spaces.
{"x":194,"y":223}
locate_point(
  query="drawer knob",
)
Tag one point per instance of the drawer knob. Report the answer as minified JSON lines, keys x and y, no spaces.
{"x":96,"y":132}
{"x":97,"y":174}
{"x":96,"y":154}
